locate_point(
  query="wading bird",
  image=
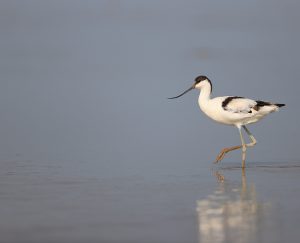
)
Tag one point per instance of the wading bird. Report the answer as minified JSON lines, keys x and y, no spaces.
{"x":231,"y":110}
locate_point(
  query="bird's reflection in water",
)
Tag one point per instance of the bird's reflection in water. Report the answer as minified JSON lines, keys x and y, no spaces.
{"x":230,"y":214}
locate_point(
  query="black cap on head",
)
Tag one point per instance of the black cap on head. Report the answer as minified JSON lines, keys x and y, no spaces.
{"x":200,"y":78}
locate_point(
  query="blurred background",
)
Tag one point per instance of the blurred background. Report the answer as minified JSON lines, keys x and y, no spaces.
{"x":89,"y":79}
{"x":84,"y":87}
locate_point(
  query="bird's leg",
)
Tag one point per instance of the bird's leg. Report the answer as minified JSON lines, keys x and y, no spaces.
{"x":253,"y":140}
{"x":226,"y":150}
{"x":244,"y":148}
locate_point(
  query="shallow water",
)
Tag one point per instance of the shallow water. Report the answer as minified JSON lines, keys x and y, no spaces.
{"x":42,"y":203}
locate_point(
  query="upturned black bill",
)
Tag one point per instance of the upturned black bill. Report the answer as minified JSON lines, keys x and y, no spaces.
{"x":182,"y":93}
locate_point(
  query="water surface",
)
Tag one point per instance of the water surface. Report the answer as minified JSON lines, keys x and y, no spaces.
{"x":44,"y":203}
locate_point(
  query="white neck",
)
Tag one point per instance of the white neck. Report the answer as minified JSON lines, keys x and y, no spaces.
{"x":204,"y":94}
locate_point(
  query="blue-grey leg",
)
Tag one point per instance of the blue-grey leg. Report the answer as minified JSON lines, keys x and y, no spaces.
{"x":243,"y":146}
{"x":253,"y":140}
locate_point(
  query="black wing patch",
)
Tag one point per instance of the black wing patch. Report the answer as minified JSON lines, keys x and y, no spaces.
{"x":226,"y":105}
{"x":228,"y":99}
{"x":260,"y":103}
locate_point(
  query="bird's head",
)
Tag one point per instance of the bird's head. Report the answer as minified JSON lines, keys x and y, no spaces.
{"x":199,"y":83}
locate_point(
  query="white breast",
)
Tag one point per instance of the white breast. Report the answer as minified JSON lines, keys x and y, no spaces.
{"x":213,"y":109}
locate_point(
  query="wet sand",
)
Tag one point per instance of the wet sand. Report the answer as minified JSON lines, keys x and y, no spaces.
{"x":40,"y":202}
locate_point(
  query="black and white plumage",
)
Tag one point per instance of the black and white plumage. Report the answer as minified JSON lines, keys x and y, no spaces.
{"x":231,"y":110}
{"x":248,"y":110}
